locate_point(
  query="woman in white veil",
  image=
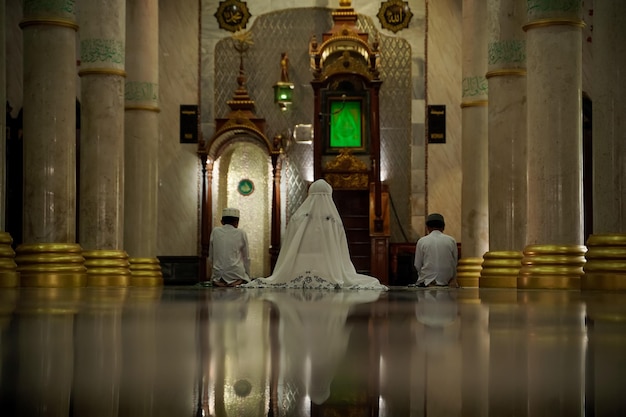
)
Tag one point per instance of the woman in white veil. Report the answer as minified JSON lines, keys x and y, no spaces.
{"x":315,"y":250}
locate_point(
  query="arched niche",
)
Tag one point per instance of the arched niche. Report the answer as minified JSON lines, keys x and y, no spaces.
{"x":241,"y":169}
{"x":242,"y":174}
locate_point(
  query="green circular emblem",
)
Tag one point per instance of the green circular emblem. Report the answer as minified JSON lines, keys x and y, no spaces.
{"x":245,"y":187}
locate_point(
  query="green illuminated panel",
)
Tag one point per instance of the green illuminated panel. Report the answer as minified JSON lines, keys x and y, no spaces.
{"x":345,"y":124}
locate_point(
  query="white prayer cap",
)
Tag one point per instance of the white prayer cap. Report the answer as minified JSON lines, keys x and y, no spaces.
{"x":230,"y":212}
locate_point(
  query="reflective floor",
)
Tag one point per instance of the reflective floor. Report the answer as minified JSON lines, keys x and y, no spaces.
{"x":195,"y":351}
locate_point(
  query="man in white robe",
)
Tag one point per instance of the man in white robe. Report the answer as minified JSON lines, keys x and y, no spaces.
{"x":228,"y":251}
{"x":436,"y":255}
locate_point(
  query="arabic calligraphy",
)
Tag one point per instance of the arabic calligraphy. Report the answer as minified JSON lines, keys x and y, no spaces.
{"x":141,"y":91}
{"x":507,"y":52}
{"x":102,"y":50}
{"x":232,"y":15}
{"x":394,"y":15}
{"x":475,"y":86}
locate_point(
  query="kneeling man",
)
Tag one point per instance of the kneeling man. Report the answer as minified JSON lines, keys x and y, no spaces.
{"x":228,"y":251}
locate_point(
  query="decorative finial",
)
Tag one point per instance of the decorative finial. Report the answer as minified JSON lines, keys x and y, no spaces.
{"x":242,"y":40}
{"x":345,"y":4}
{"x":284,"y":67}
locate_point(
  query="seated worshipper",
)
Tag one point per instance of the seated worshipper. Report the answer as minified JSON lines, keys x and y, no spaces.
{"x":228,"y":251}
{"x":315,"y":253}
{"x":436,"y":255}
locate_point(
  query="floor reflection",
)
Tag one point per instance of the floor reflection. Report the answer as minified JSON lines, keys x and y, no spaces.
{"x":195,"y":351}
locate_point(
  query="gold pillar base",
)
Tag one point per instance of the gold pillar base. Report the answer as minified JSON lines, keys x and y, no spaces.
{"x":605,"y":268}
{"x":9,"y":277}
{"x":552,"y":267}
{"x":145,"y":272}
{"x":468,"y":271}
{"x":500,"y":269}
{"x":51,"y":265}
{"x":107,"y":268}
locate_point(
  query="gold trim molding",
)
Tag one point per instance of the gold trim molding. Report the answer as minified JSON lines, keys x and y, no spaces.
{"x":102,"y":71}
{"x":517,"y":72}
{"x":476,"y":103}
{"x":49,"y":22}
{"x":553,"y":22}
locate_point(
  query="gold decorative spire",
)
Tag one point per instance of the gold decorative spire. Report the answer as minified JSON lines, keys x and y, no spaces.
{"x":241,"y":100}
{"x":344,"y":48}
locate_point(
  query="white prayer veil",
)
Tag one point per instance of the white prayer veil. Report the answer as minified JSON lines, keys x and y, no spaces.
{"x":315,"y":253}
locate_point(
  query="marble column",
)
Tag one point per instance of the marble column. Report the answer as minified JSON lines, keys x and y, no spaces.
{"x":609,"y":118}
{"x":554,"y":123}
{"x":474,"y":192}
{"x":507,"y":141}
{"x":8,"y":273}
{"x":3,"y":121}
{"x":142,"y":139}
{"x":606,"y":259}
{"x":101,"y":216}
{"x":49,"y":211}
{"x":49,"y":34}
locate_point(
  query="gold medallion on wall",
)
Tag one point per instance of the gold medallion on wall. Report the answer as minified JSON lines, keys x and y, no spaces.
{"x":394,"y":15}
{"x":232,"y":15}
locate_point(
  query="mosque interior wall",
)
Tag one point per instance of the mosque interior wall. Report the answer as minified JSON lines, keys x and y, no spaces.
{"x":197,"y":66}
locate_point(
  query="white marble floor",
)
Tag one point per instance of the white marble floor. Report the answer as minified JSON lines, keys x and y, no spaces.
{"x":196,"y":351}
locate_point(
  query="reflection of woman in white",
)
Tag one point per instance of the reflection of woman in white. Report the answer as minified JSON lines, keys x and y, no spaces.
{"x":315,"y":251}
{"x":314,"y":335}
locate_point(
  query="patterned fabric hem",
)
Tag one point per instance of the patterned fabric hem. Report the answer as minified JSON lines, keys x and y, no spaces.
{"x":308,"y":281}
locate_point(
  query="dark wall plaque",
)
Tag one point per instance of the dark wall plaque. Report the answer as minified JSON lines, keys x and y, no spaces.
{"x":232,"y":15}
{"x":188,"y":123}
{"x":437,"y":123}
{"x":394,"y":15}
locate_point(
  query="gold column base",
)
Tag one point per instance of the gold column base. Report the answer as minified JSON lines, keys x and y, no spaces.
{"x":107,"y":268}
{"x":500,"y":269}
{"x":145,"y":272}
{"x":468,"y":271}
{"x":552,"y":267}
{"x":605,"y":268}
{"x":51,"y":265}
{"x":9,"y":277}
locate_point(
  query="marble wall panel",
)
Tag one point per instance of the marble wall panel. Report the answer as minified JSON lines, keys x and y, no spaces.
{"x":443,"y":86}
{"x":179,"y":166}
